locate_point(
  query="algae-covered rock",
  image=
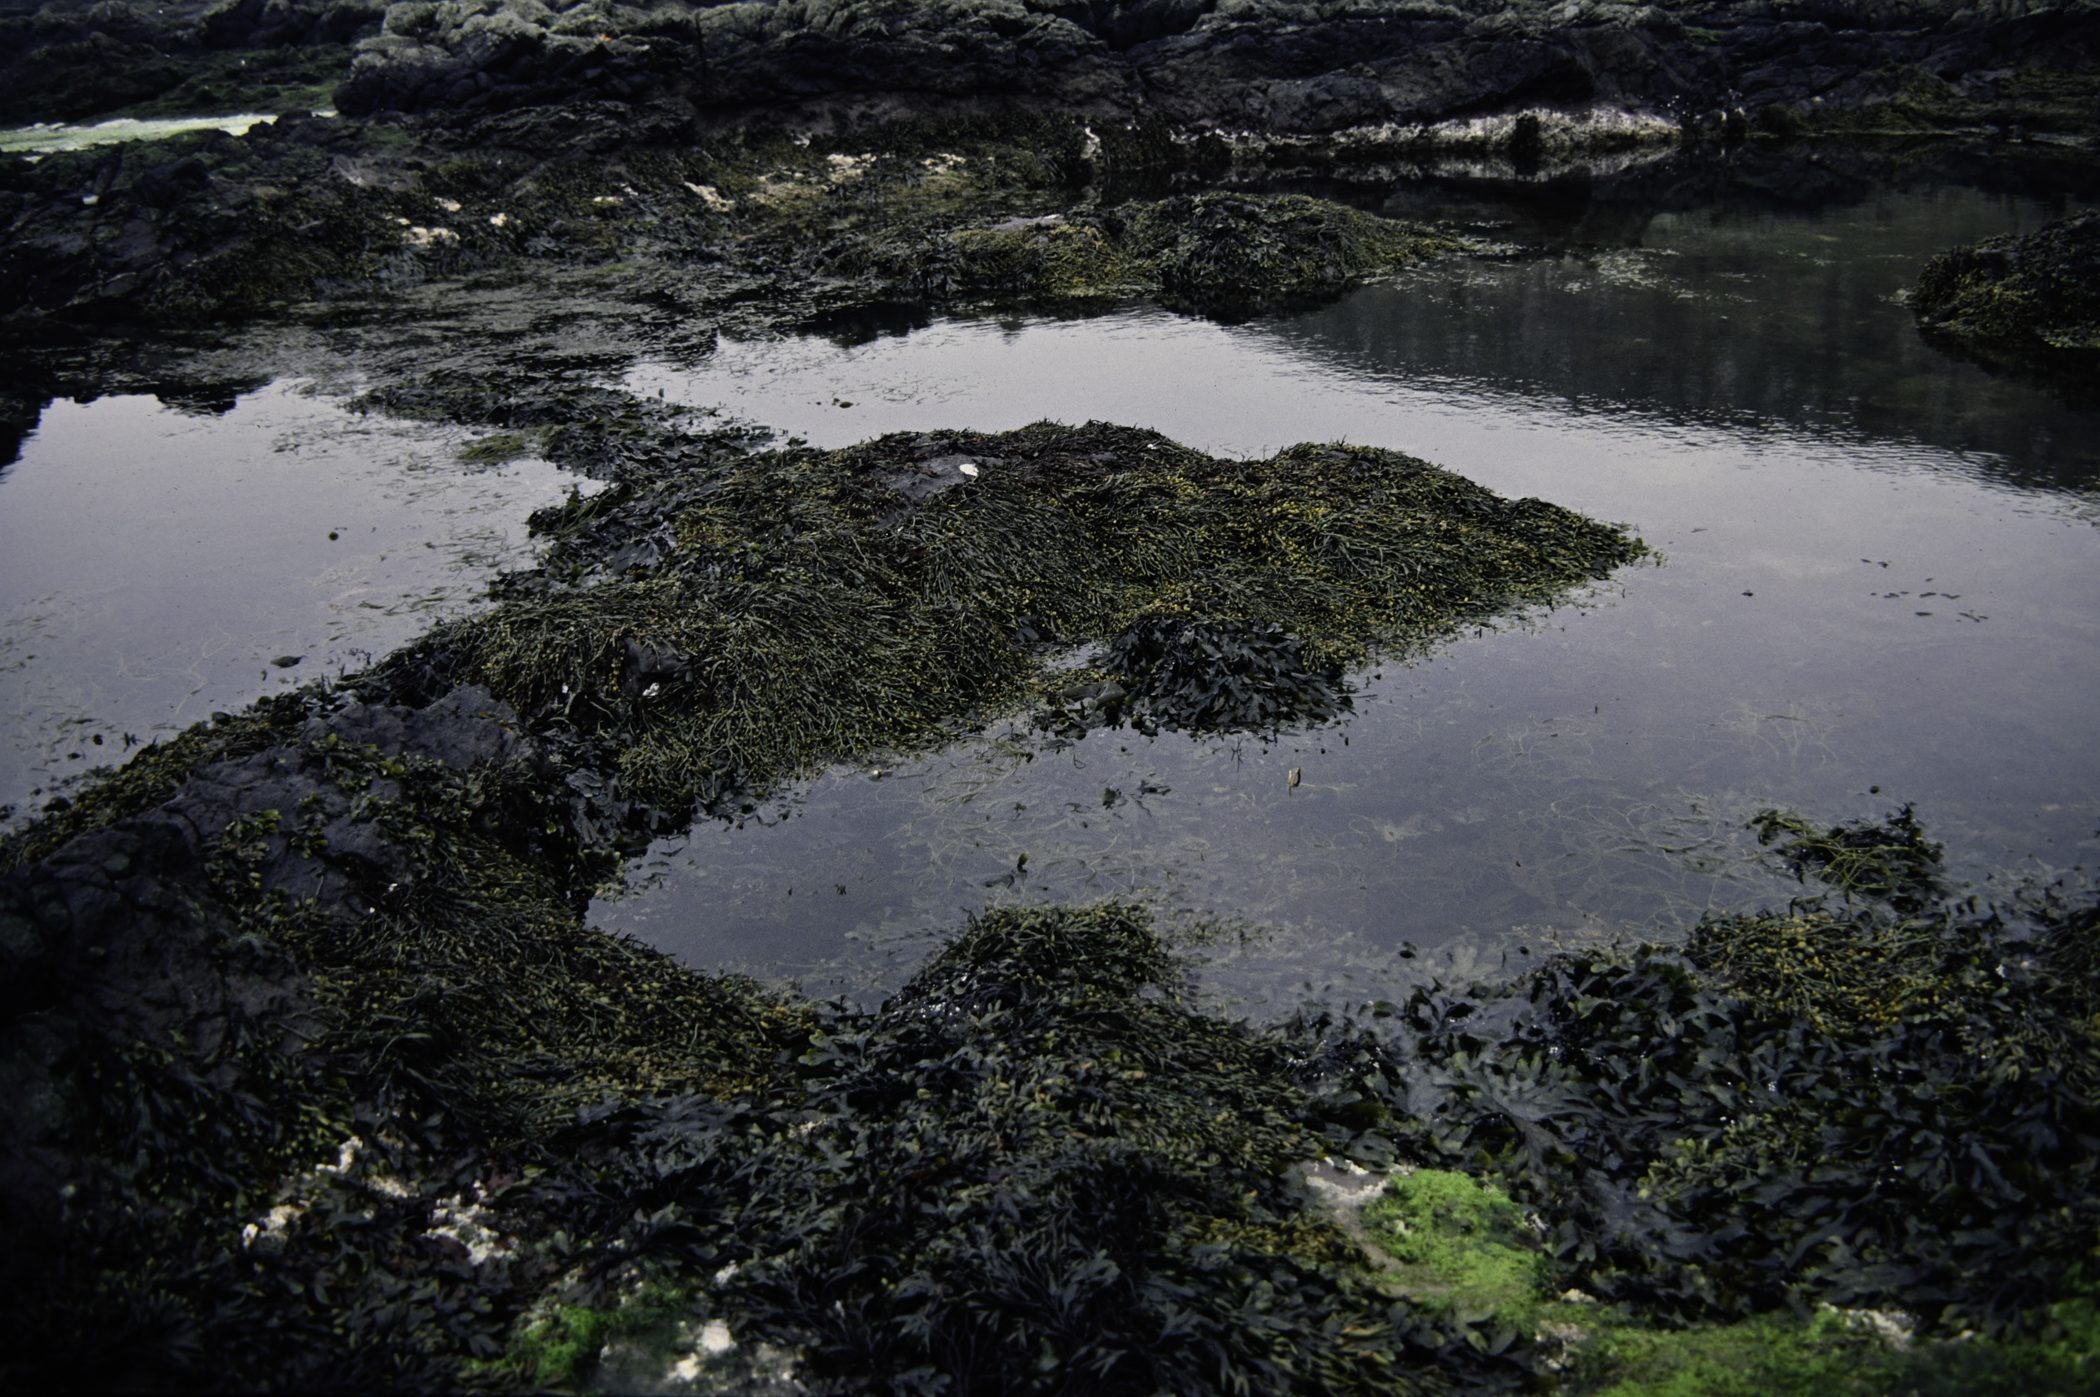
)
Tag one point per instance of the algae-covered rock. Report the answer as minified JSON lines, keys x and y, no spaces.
{"x":726,"y":620}
{"x":1233,"y":253}
{"x":2031,"y":301}
{"x":1881,"y":1095}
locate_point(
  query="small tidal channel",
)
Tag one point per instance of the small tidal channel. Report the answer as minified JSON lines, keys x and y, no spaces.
{"x":1879,"y":584}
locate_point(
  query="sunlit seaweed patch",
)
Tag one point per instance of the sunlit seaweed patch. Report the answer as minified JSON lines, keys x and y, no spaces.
{"x":735,"y":618}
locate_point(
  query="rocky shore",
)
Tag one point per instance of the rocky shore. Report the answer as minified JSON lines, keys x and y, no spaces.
{"x":477,"y":134}
{"x":313,"y":1075}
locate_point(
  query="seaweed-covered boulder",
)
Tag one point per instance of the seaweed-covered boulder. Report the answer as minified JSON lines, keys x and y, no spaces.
{"x":1226,"y":255}
{"x":2020,"y":301}
{"x":1234,"y":254}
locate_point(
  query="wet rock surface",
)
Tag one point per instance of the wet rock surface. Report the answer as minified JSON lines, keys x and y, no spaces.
{"x":1275,"y":68}
{"x":485,"y":132}
{"x":120,"y":940}
{"x":65,"y":61}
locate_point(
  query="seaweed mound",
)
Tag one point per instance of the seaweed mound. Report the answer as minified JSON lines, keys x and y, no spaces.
{"x":722,"y":621}
{"x":1236,"y":254}
{"x":1031,"y":1171}
{"x":1880,"y":1096}
{"x":1226,"y":255}
{"x":2023,"y":302}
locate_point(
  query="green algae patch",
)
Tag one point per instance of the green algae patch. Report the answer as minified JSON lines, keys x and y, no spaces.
{"x":729,"y":620}
{"x":1459,"y":1243}
{"x":1839,"y":1353}
{"x":1772,"y":1356}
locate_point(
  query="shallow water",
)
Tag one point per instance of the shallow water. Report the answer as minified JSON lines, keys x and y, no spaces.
{"x":43,"y":139}
{"x":157,"y":560}
{"x":1880,"y":569}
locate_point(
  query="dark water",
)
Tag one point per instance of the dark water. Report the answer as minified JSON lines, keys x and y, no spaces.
{"x":1880,"y":569}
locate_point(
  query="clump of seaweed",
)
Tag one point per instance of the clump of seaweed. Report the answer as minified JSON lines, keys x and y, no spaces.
{"x":1173,"y":672}
{"x":731,"y":619}
{"x":1236,"y":254}
{"x":1032,"y":1170}
{"x":1229,"y":255}
{"x":1885,"y":1100}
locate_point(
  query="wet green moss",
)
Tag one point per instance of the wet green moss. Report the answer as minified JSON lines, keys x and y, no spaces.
{"x":1846,"y":1353}
{"x":1459,"y":1243}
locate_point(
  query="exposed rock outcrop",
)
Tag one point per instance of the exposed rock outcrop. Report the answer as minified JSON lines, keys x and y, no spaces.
{"x":1243,"y":64}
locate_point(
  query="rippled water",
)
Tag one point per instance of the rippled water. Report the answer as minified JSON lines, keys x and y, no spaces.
{"x":1880,"y":569}
{"x":155,"y":560}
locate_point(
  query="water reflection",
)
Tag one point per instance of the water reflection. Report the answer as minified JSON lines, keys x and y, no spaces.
{"x":162,"y":557}
{"x":1731,"y":316}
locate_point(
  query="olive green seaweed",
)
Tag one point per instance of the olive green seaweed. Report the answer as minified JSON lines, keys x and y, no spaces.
{"x":799,"y":606}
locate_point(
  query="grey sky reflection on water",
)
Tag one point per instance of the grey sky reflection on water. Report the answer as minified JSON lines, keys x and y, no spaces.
{"x":1843,"y":603}
{"x":153,"y":562}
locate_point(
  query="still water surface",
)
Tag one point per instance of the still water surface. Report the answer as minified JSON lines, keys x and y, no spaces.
{"x":156,"y":559}
{"x":1880,"y":568}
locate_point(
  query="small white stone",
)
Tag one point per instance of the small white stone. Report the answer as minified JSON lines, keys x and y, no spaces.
{"x":968,"y":469}
{"x":714,"y":1337}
